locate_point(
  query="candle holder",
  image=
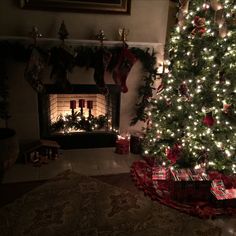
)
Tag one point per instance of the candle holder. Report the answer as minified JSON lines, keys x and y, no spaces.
{"x":81,"y":105}
{"x":90,"y":107}
{"x":72,"y":106}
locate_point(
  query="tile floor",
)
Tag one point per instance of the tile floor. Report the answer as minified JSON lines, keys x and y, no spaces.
{"x":98,"y":161}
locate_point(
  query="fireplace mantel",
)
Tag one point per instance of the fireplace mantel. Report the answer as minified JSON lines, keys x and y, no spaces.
{"x":85,"y":42}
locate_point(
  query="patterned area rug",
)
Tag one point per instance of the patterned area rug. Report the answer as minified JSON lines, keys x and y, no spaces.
{"x":75,"y":205}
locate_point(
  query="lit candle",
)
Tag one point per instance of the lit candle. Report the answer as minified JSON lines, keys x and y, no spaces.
{"x":72,"y":104}
{"x":90,"y":104}
{"x":81,"y":103}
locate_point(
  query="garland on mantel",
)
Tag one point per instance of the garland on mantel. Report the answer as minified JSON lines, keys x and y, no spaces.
{"x":63,"y":59}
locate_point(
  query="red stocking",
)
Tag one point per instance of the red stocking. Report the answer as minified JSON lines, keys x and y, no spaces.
{"x":123,"y":67}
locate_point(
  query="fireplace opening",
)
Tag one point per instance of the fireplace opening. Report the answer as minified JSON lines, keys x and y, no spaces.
{"x":80,"y":117}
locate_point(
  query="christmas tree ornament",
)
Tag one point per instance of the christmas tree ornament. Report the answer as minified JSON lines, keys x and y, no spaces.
{"x":183,"y":89}
{"x":222,"y":78}
{"x":199,"y":26}
{"x":173,"y":154}
{"x":208,"y":120}
{"x":121,"y":71}
{"x":226,"y":108}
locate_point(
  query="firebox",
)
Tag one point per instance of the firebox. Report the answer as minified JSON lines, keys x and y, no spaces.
{"x":79,"y":116}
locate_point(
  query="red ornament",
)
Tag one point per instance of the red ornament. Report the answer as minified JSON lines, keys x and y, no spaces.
{"x":72,"y":104}
{"x":90,"y":104}
{"x":208,"y":120}
{"x":226,"y":108}
{"x":199,"y":26}
{"x":173,"y":153}
{"x":81,"y":103}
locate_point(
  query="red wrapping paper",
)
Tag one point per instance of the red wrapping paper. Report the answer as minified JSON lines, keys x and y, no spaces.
{"x":122,"y":146}
{"x":159,"y":190}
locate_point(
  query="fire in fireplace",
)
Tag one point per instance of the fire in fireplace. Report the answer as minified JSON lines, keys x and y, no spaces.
{"x":79,"y":114}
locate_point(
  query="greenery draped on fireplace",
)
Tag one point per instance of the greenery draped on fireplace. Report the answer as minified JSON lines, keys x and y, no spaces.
{"x":63,"y":59}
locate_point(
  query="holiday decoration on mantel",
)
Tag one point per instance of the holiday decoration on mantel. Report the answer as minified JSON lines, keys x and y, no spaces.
{"x":101,"y":61}
{"x":62,"y":60}
{"x":117,"y":60}
{"x":36,"y":63}
{"x":126,"y":60}
{"x":193,"y":120}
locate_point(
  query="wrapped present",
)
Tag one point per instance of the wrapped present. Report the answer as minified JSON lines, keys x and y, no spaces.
{"x":189,"y":185}
{"x":223,"y":197}
{"x":122,"y":146}
{"x":160,"y":173}
{"x":135,"y":142}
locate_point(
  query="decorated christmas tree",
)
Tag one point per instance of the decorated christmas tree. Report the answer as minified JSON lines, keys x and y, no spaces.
{"x":192,"y":119}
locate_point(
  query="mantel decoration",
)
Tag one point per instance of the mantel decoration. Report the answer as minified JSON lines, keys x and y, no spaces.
{"x":117,"y":60}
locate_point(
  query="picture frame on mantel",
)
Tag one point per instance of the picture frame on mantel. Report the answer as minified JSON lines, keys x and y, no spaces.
{"x":83,"y":6}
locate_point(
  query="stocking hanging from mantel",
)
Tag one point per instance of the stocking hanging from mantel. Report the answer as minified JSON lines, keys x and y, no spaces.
{"x":102,"y":59}
{"x":34,"y":69}
{"x":62,"y":61}
{"x":126,"y":60}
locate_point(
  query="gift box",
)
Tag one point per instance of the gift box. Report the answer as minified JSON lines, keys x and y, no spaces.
{"x":136,"y":142}
{"x":122,"y":146}
{"x":189,"y":185}
{"x":223,"y":197}
{"x":160,"y":173}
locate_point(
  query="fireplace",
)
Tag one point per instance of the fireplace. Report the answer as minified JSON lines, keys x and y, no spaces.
{"x":79,"y":117}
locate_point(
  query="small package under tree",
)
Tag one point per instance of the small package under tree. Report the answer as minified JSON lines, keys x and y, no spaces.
{"x":189,"y":185}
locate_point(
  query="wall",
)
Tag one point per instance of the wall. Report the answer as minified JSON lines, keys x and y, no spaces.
{"x":147,"y":23}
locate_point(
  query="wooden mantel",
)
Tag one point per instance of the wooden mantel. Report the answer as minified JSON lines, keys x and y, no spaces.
{"x":85,"y":42}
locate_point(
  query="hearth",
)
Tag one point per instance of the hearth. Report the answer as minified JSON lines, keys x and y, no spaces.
{"x":79,"y":117}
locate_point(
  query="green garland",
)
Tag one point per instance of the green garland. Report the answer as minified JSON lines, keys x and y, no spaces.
{"x":63,"y":61}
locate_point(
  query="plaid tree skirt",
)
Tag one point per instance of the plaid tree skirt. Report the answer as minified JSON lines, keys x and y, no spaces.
{"x":159,"y":190}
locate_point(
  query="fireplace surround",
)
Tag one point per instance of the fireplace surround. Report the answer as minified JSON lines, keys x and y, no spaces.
{"x":55,"y":102}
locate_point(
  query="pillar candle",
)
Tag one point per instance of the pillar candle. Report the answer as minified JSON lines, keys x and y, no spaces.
{"x":72,"y":104}
{"x":81,"y":103}
{"x":89,"y":104}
